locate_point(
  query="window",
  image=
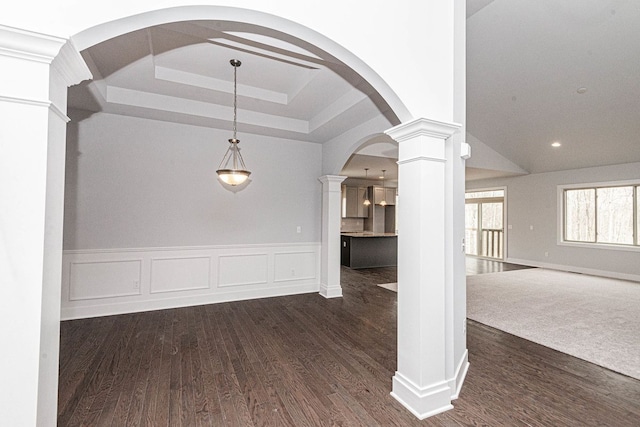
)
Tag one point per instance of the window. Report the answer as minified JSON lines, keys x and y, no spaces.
{"x":484,"y":232}
{"x":607,"y":215}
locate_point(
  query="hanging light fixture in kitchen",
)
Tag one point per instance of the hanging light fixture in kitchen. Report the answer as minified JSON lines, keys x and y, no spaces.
{"x":366,"y":202}
{"x":384,"y":192}
{"x":232,"y":169}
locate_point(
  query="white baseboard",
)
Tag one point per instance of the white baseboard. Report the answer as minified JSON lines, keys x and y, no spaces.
{"x":461,"y":372}
{"x":574,"y":269}
{"x":423,"y":402}
{"x":117,"y":281}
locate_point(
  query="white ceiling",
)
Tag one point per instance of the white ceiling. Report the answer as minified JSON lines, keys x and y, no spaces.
{"x":525,"y":62}
{"x":181,"y":72}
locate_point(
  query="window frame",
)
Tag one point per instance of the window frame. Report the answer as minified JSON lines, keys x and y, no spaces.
{"x":561,"y":229}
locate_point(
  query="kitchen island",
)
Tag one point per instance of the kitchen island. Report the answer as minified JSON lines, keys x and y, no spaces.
{"x":368,"y":250}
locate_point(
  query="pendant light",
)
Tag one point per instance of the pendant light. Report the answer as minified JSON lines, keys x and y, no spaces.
{"x":384,"y":192}
{"x":232,"y":169}
{"x":366,"y":202}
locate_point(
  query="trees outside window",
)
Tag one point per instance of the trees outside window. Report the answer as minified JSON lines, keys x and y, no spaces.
{"x":602,"y":215}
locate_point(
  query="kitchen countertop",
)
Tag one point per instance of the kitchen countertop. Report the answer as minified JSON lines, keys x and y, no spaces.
{"x":369,"y":234}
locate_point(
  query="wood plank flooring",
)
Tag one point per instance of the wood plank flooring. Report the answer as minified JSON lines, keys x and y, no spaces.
{"x":480,"y":266}
{"x":308,"y":361}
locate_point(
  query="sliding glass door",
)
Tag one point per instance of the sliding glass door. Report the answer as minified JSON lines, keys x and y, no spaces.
{"x":484,"y":224}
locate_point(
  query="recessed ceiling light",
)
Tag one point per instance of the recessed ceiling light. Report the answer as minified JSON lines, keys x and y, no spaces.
{"x":581,"y":90}
{"x":555,"y":144}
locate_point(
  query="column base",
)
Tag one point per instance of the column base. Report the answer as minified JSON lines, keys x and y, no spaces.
{"x":330,"y":291}
{"x":455,"y":384}
{"x":423,"y":402}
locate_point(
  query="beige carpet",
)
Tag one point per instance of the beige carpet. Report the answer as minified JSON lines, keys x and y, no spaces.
{"x":390,"y":286}
{"x":593,"y":318}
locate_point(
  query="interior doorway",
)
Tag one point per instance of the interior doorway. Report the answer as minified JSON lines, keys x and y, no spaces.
{"x":484,"y":224}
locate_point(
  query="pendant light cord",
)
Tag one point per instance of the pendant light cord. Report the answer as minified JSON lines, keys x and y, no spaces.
{"x":235,"y":100}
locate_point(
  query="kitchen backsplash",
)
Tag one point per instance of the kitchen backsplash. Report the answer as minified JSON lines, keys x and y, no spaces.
{"x":352,"y":225}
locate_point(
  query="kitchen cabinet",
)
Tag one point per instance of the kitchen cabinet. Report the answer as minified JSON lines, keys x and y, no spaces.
{"x":353,"y":202}
{"x":369,"y":250}
{"x":386,"y":194}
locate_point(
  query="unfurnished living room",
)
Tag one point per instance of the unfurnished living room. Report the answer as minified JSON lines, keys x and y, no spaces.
{"x":242,"y":213}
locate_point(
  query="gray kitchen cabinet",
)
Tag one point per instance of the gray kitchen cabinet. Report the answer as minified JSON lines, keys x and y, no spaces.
{"x":353,"y":199}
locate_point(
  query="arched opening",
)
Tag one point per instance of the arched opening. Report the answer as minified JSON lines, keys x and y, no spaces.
{"x":58,"y":66}
{"x":159,"y":105}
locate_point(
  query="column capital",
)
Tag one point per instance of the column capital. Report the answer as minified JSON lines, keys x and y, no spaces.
{"x":47,"y":49}
{"x":422,"y":127}
{"x":332,"y":179}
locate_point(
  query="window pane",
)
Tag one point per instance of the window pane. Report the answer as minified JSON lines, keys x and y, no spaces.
{"x":471,"y":228}
{"x":492,"y":216}
{"x":615,"y":215}
{"x":484,"y":194}
{"x":580,"y":215}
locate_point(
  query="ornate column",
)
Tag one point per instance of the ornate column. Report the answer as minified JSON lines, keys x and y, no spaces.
{"x":421,"y":382}
{"x":36,"y":71}
{"x":330,"y":251}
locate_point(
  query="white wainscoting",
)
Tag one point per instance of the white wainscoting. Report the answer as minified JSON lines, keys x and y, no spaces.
{"x":116,"y":281}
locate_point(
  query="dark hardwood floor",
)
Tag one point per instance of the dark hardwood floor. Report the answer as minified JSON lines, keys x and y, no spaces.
{"x":480,"y":266}
{"x":307,"y":361}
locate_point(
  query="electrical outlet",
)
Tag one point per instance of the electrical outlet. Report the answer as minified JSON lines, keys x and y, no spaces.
{"x":298,"y":229}
{"x":136,"y":284}
{"x":546,"y":254}
{"x":293,"y":272}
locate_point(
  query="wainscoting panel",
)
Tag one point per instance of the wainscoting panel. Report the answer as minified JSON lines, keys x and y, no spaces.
{"x":293,"y":266}
{"x":238,"y":270}
{"x":115,"y":281}
{"x":104,"y":279}
{"x":179,"y":274}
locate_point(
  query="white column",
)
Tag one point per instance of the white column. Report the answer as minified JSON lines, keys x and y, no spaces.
{"x":421,"y":382}
{"x":330,"y":251}
{"x":36,"y":70}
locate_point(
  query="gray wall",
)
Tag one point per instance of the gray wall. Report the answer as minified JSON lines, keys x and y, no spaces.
{"x":135,"y":183}
{"x":532,"y":201}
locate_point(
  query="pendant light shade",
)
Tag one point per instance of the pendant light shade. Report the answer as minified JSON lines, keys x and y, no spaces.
{"x":366,"y":202}
{"x":232,"y":170}
{"x":384,"y":192}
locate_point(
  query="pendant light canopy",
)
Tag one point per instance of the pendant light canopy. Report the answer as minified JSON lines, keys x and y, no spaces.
{"x":384,"y":192}
{"x":232,"y":169}
{"x":366,"y":202}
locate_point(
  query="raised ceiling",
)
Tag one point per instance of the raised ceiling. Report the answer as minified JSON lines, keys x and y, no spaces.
{"x":526,"y":61}
{"x":180,"y":72}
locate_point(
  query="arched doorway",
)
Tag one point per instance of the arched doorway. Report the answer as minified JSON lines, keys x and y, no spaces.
{"x":67,"y":70}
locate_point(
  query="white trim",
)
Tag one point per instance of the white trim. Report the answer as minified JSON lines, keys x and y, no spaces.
{"x":422,"y":127}
{"x":461,"y":373}
{"x":36,"y":103}
{"x":330,"y":291}
{"x":126,"y":307}
{"x":560,"y":189}
{"x":29,"y":45}
{"x":188,"y":248}
{"x":420,"y":158}
{"x":505,"y":218}
{"x":574,"y":269}
{"x":142,"y":296}
{"x":423,"y":402}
